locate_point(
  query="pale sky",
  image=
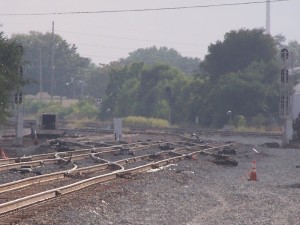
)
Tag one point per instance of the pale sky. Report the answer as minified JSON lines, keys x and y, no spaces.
{"x":105,"y":37}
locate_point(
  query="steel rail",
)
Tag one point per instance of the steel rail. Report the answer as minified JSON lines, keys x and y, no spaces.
{"x":41,"y":157}
{"x":170,"y":131}
{"x":51,"y":155}
{"x":206,"y":132}
{"x":19,"y":184}
{"x":51,"y":194}
{"x":77,"y":156}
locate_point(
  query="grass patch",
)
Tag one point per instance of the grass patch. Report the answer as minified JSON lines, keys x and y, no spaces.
{"x":143,"y":121}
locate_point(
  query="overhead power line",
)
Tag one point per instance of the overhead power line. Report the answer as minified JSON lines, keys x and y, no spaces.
{"x":140,"y":10}
{"x":130,"y":39}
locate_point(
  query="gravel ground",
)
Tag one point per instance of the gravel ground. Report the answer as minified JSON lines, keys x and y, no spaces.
{"x":194,"y":192}
{"x":14,"y":175}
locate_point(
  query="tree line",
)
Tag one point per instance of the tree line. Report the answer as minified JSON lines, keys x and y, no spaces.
{"x":239,"y":74}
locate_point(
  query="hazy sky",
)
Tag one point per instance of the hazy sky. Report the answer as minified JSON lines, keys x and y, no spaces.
{"x":105,"y":37}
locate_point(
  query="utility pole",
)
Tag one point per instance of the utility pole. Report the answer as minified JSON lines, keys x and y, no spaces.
{"x":169,"y":97}
{"x":41,"y":74}
{"x":268,"y":17}
{"x":52,"y":62}
{"x":18,"y":102}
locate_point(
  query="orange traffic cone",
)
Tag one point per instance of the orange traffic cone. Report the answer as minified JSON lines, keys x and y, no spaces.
{"x":253,"y":176}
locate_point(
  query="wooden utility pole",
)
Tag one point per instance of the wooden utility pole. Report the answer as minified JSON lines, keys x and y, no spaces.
{"x":52,"y":62}
{"x":268,"y":17}
{"x":41,"y":74}
{"x":19,"y":107}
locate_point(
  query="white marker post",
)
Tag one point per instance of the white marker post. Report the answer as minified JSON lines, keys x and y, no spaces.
{"x":118,"y":128}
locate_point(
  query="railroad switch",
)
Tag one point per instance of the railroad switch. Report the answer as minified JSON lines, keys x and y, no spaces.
{"x":126,"y":175}
{"x":227,"y":150}
{"x":192,"y":157}
{"x":58,"y":193}
{"x":166,"y":146}
{"x":154,"y":156}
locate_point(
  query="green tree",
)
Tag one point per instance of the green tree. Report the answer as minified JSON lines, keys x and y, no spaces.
{"x":154,"y":83}
{"x":121,"y":77}
{"x":237,"y":51}
{"x":96,"y":81}
{"x":10,"y":79}
{"x":139,"y":90}
{"x":163,"y":55}
{"x":248,"y":93}
{"x":70,"y":69}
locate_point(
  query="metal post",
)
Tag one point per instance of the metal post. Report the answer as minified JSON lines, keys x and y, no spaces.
{"x":285,"y":99}
{"x":52,"y":62}
{"x":19,"y":126}
{"x":41,"y":74}
{"x":169,"y":115}
{"x":19,"y":109}
{"x":268,"y":17}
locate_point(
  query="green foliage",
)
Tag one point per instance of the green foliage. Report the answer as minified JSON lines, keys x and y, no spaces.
{"x":247,"y":93}
{"x":258,"y":121}
{"x":239,"y":121}
{"x":162,"y":109}
{"x":96,"y":81}
{"x":84,"y":109}
{"x":10,"y":80}
{"x":242,"y":78}
{"x":140,"y":89}
{"x":56,"y":108}
{"x":33,"y":106}
{"x":154,"y":55}
{"x":71,"y":72}
{"x":238,"y":50}
{"x":143,"y":121}
{"x":240,"y":74}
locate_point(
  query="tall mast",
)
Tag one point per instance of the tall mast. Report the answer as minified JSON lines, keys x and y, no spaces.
{"x":52,"y":62}
{"x":268,"y":17}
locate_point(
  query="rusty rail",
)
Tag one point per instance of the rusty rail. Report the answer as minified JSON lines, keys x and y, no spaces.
{"x":51,"y":194}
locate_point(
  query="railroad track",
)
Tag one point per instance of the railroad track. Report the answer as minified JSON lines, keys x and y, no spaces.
{"x":90,"y":127}
{"x":61,"y":162}
{"x":110,"y":171}
{"x":103,"y":164}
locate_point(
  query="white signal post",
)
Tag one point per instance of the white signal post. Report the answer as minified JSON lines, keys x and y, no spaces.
{"x":285,"y":112}
{"x":118,"y":128}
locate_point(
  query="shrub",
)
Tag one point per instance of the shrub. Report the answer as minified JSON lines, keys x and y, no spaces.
{"x":84,"y":109}
{"x":56,"y":108}
{"x":143,"y":121}
{"x":239,"y":121}
{"x":33,"y":106}
{"x":258,"y":121}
